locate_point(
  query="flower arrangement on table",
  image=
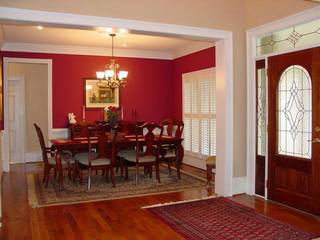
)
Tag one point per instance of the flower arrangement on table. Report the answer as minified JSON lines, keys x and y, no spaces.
{"x":113,"y":114}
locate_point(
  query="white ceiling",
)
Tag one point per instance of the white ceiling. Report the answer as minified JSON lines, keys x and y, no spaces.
{"x":89,"y":38}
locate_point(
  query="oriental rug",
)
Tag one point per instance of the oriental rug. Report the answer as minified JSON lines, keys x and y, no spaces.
{"x":73,"y":192}
{"x":220,"y":218}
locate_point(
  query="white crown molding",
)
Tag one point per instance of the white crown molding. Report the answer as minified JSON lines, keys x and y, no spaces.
{"x":190,"y":48}
{"x":81,"y":50}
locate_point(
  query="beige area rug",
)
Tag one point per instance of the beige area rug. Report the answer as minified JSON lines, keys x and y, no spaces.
{"x":73,"y":192}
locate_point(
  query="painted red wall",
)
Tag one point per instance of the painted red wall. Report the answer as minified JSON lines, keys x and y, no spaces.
{"x":154,"y":86}
{"x":149,"y":88}
{"x":189,"y":63}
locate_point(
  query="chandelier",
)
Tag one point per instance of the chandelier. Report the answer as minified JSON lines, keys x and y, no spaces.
{"x":111,"y":77}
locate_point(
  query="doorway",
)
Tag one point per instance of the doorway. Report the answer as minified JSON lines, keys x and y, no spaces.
{"x":16,"y":123}
{"x":294,"y":129}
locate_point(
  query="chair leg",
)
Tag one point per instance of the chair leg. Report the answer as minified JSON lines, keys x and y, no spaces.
{"x":169,"y":166}
{"x":69,"y":172}
{"x":112,"y":176}
{"x":137,"y":172}
{"x":55,"y":173}
{"x":150,"y":171}
{"x":81,"y":176}
{"x":157,"y":172}
{"x":44,"y":173}
{"x":126,"y":172}
{"x":47,"y":176}
{"x":89,"y":179}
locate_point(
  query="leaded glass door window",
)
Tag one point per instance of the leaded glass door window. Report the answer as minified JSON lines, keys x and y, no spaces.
{"x":294,"y":112}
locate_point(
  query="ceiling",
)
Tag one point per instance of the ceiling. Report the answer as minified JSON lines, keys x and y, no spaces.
{"x":89,"y":38}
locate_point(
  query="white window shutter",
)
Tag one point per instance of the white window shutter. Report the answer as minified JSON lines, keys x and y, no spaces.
{"x":199,"y":112}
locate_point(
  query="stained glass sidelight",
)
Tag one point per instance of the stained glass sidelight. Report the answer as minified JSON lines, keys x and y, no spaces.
{"x":289,"y":38}
{"x":294,"y":112}
{"x":261,"y":112}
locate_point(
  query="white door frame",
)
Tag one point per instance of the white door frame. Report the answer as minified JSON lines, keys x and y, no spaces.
{"x":5,"y":142}
{"x":252,"y":35}
{"x":21,"y":116}
{"x":224,"y":69}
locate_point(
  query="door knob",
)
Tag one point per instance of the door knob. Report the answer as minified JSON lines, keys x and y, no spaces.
{"x":316,"y":140}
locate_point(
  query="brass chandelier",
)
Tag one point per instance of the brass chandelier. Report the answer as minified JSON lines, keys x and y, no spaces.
{"x":111,"y":77}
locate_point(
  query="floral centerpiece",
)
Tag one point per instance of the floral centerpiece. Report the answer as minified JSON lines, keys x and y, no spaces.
{"x":112,"y":115}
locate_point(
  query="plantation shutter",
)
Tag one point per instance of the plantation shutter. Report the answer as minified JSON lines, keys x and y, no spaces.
{"x":199,"y":112}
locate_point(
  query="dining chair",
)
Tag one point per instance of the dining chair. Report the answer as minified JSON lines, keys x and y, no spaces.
{"x":80,"y":129}
{"x":146,"y":152}
{"x":169,"y":152}
{"x":49,"y":155}
{"x":100,"y":156}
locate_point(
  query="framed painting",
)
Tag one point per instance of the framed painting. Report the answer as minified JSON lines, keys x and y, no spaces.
{"x":96,"y":95}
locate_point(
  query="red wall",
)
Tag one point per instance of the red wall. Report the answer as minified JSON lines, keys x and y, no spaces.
{"x":148,"y":90}
{"x":154,"y":86}
{"x":189,"y":63}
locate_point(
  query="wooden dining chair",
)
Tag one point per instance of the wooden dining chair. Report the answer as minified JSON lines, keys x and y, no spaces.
{"x":99,"y":157}
{"x":146,"y":153}
{"x":80,"y":129}
{"x":169,"y":152}
{"x":49,"y":155}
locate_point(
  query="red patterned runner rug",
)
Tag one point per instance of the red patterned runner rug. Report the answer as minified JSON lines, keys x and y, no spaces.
{"x":221,"y":218}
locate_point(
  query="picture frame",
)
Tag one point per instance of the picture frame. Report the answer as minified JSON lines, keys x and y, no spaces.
{"x":96,"y":95}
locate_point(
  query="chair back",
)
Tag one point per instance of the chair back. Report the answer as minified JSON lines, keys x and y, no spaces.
{"x":179,"y":129}
{"x":173,"y":127}
{"x":80,"y":129}
{"x":42,"y":143}
{"x":151,"y":131}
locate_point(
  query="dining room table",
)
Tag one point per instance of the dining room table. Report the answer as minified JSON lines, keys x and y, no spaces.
{"x":81,"y":144}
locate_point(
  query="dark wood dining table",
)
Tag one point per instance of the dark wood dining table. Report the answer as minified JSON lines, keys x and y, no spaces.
{"x":81,"y":143}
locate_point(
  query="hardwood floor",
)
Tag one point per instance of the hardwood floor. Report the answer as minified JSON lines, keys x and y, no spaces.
{"x":114,"y":219}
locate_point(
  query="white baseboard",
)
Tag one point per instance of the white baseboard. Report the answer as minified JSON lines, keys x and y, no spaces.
{"x":239,"y":185}
{"x":33,"y":157}
{"x":195,"y":162}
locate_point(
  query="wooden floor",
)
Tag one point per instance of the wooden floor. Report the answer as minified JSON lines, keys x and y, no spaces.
{"x":114,"y":219}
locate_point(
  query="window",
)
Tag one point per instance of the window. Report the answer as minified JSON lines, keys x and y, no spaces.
{"x":199,"y":112}
{"x":261,"y":112}
{"x":289,"y":38}
{"x":294,"y":112}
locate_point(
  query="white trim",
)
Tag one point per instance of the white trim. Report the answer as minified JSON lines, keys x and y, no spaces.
{"x":20,"y":144}
{"x":239,"y":185}
{"x":60,"y":133}
{"x":33,"y":157}
{"x":81,"y":50}
{"x":224,"y":99}
{"x":252,"y":35}
{"x":195,"y":162}
{"x":224,"y":68}
{"x":5,"y":142}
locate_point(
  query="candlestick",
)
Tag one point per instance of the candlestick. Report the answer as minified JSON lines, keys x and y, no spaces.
{"x":122,"y":113}
{"x":84,"y":112}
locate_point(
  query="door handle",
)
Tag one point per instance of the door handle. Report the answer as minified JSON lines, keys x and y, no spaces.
{"x":316,"y":140}
{"x":317,"y":129}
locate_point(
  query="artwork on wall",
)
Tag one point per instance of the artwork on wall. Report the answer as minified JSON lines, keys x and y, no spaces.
{"x":99,"y":96}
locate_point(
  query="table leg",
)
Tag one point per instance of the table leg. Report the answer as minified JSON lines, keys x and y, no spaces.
{"x":59,"y":170}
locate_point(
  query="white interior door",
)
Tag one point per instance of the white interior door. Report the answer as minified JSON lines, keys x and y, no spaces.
{"x":16,"y":120}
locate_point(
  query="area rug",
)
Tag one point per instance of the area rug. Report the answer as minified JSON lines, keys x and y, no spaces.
{"x":73,"y":192}
{"x":221,"y":218}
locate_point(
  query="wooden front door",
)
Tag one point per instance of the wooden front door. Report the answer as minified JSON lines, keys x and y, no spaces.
{"x":294,"y":129}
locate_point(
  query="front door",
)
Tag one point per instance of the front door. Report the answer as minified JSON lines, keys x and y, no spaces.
{"x":294,"y":129}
